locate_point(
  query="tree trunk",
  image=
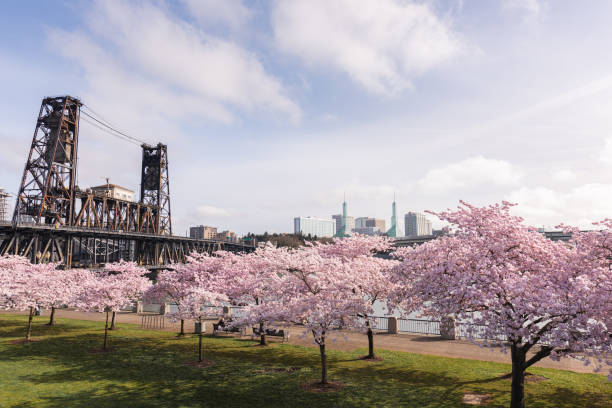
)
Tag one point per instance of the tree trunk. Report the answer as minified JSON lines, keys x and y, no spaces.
{"x":105,"y":332}
{"x":112,"y":326}
{"x":182,"y":333}
{"x":200,"y":341}
{"x":262,"y":341}
{"x":29,"y":330}
{"x":518,"y":378}
{"x":52,"y":317}
{"x":323,"y":362}
{"x":370,"y":343}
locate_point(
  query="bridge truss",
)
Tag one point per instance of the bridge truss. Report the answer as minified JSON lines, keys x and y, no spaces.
{"x":55,"y":221}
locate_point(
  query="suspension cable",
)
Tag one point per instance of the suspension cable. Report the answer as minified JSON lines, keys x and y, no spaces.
{"x":105,"y":130}
{"x":108,"y":128}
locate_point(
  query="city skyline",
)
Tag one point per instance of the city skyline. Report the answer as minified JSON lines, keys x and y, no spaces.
{"x":250,"y":89}
{"x":359,"y":223}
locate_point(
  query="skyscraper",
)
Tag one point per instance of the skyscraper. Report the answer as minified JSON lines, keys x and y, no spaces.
{"x":345,"y":228}
{"x":416,"y":224}
{"x":392,"y":232}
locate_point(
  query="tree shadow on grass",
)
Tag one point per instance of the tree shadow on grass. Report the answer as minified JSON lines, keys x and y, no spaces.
{"x":563,"y":397}
{"x":150,"y":371}
{"x":428,"y":339}
{"x":143,"y":374}
{"x":157,"y":376}
{"x":537,"y":394}
{"x":17,"y":327}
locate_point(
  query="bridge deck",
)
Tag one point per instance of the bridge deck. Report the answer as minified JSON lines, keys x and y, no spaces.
{"x":97,"y":233}
{"x":89,"y":247}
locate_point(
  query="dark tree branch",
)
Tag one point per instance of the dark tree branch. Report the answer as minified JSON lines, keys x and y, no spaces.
{"x":543,"y":352}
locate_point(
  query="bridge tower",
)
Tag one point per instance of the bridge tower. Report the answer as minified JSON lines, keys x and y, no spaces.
{"x":155,"y":186}
{"x":46,"y":193}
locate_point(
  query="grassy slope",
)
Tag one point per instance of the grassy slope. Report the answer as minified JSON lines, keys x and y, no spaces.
{"x":147,"y":369}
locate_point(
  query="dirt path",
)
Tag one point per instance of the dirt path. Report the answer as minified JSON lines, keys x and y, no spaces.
{"x":431,"y":345}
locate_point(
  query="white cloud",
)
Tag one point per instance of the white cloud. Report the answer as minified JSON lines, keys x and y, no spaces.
{"x":606,"y":153}
{"x":210,"y":211}
{"x":380,"y":44}
{"x":471,"y":172}
{"x":108,"y":82}
{"x":170,"y":62}
{"x":530,"y":7}
{"x":564,"y":175}
{"x":230,"y":12}
{"x":359,"y":191}
{"x":579,"y":206}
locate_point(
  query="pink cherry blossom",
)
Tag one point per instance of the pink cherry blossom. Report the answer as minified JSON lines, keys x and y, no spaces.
{"x":368,"y":270}
{"x":191,"y":286}
{"x":118,"y":285}
{"x":513,"y":284}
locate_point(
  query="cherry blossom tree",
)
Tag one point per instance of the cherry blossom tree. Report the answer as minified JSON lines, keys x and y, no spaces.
{"x":26,"y":286}
{"x":594,"y":255}
{"x":175,"y":287}
{"x":250,"y":279}
{"x":315,"y":291}
{"x":524,"y":289}
{"x":363,"y":255}
{"x":12,"y":271}
{"x":119,"y":284}
{"x":202,"y":284}
{"x":63,"y":289}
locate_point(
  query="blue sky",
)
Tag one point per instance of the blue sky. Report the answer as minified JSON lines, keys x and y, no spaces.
{"x":275,"y":109}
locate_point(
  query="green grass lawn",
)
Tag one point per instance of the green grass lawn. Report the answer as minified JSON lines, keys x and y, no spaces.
{"x":147,"y":369}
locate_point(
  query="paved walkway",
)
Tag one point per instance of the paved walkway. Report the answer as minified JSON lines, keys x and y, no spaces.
{"x":431,"y":345}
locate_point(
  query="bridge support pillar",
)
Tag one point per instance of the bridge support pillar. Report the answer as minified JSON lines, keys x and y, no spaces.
{"x":447,"y":328}
{"x":392,"y":326}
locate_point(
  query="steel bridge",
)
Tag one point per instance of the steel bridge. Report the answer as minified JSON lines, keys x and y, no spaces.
{"x":56,"y":221}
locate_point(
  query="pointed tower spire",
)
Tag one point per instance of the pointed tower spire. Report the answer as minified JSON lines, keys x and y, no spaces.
{"x":341,"y":232}
{"x":392,"y":232}
{"x":344,"y":214}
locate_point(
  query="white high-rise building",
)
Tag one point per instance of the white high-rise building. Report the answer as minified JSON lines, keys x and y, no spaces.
{"x":416,"y":224}
{"x":319,"y":227}
{"x":4,"y":215}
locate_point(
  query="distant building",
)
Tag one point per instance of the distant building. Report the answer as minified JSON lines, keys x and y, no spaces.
{"x":203,"y":232}
{"x":114,"y":191}
{"x":4,"y":216}
{"x":367,"y":231}
{"x":369,"y":226}
{"x":344,"y":223}
{"x":320,"y":227}
{"x":380,"y":224}
{"x":417,"y":224}
{"x":439,"y":232}
{"x":350,"y":224}
{"x":393,"y":232}
{"x":226,"y":236}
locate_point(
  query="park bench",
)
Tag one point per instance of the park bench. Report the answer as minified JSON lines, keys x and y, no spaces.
{"x":284,"y":334}
{"x":227,"y":328}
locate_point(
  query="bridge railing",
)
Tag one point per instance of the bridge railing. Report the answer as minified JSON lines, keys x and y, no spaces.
{"x":418,"y":326}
